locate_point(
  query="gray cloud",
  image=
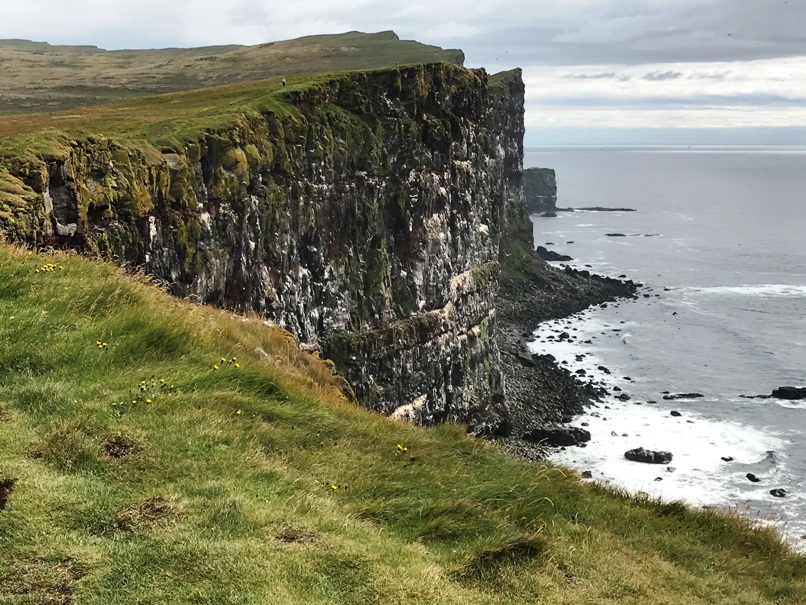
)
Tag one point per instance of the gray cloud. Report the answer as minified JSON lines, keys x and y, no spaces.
{"x":659,"y":76}
{"x":607,"y":75}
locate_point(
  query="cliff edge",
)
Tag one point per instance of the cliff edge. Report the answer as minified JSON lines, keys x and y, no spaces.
{"x":364,"y":212}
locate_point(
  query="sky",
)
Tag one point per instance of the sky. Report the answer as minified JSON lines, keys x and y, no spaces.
{"x":684,"y":72}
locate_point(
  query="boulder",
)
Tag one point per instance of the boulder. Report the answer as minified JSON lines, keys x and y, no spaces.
{"x":683,"y":396}
{"x":752,"y":478}
{"x":526,"y":359}
{"x":790,"y":393}
{"x":778,"y":493}
{"x":550,"y":255}
{"x":557,"y":435}
{"x":649,"y":456}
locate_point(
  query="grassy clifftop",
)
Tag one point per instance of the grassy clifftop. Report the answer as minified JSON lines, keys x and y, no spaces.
{"x":40,"y":77}
{"x":245,"y":477}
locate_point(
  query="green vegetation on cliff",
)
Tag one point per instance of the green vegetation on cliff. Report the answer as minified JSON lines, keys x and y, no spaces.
{"x":245,"y":478}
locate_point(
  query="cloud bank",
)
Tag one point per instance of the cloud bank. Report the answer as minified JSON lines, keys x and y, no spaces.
{"x":595,"y":64}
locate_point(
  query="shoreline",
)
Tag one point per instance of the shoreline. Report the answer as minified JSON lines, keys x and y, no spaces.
{"x":539,"y":391}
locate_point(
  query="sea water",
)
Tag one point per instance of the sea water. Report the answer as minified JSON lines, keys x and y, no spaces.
{"x":718,"y":236}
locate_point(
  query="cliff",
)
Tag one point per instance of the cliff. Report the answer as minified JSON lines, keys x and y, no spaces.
{"x":540,"y":190}
{"x":365,"y":215}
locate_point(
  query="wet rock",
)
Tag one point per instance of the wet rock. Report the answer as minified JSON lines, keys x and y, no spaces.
{"x":623,"y":397}
{"x":557,"y":435}
{"x":675,"y":413}
{"x":683,"y":396}
{"x":526,"y":359}
{"x":778,"y":493}
{"x":649,"y":456}
{"x":752,"y":477}
{"x":727,"y":458}
{"x":587,"y":475}
{"x":551,"y":255}
{"x":791,"y":393}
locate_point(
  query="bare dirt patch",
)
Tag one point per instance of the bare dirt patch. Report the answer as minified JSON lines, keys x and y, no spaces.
{"x":6,"y":486}
{"x":148,"y":514}
{"x":121,"y":446}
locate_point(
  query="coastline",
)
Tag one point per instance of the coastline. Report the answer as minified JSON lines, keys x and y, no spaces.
{"x":540,"y":391}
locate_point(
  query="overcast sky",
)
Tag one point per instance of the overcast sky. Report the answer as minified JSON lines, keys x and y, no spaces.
{"x":596,"y":71}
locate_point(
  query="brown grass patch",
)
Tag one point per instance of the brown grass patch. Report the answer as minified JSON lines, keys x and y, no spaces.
{"x":49,"y":585}
{"x":295,"y":534}
{"x":148,"y":514}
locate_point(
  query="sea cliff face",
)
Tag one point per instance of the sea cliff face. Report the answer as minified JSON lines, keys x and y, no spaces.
{"x":540,"y":190}
{"x":367,"y":221}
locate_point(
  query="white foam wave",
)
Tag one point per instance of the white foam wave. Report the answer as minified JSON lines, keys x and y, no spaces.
{"x":762,"y":290}
{"x":700,"y":476}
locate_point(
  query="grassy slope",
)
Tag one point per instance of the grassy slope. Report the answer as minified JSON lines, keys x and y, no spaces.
{"x":39,"y":77}
{"x":259,"y":484}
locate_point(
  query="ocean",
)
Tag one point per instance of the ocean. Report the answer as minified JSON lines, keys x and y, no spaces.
{"x":718,"y":237}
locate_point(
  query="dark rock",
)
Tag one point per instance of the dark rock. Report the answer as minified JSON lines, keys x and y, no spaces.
{"x":615,"y":235}
{"x":752,"y":478}
{"x":605,"y":209}
{"x":649,"y":456}
{"x":791,"y":393}
{"x":540,"y":190}
{"x":623,"y":397}
{"x":557,"y":435}
{"x":675,"y":413}
{"x":727,"y":458}
{"x":587,"y":475}
{"x":525,"y":357}
{"x":683,"y":396}
{"x":778,"y":493}
{"x":550,"y":255}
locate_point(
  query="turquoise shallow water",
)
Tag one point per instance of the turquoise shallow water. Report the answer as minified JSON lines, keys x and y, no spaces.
{"x":719,"y":237}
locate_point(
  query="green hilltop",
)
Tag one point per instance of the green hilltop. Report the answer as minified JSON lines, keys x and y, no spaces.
{"x":38,"y":77}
